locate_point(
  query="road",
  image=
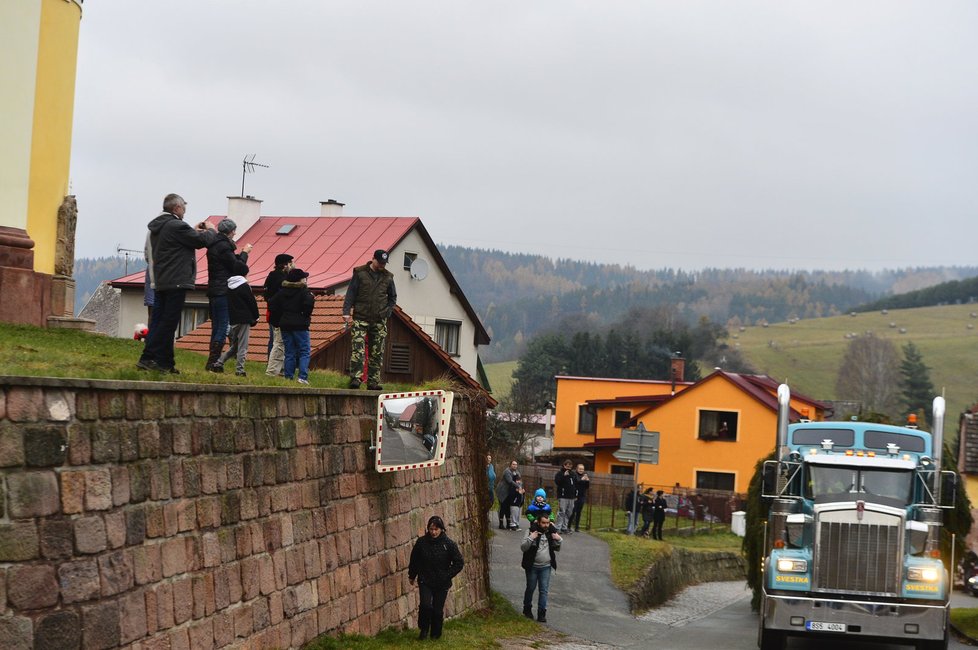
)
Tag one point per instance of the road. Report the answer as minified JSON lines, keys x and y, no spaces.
{"x":586,"y":605}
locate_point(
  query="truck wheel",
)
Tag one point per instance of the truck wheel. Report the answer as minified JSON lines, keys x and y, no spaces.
{"x":773,"y":640}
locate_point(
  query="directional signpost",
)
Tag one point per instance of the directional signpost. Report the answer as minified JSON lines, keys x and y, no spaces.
{"x":638,"y":446}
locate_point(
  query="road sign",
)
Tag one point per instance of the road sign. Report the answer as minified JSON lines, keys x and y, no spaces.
{"x":638,"y":446}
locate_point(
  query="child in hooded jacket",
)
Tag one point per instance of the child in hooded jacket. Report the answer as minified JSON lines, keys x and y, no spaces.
{"x":538,"y":506}
{"x":243,"y":315}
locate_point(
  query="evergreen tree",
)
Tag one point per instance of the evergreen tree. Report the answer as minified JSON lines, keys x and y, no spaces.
{"x":916,"y":388}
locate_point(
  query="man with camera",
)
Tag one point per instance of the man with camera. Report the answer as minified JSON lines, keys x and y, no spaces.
{"x":173,"y":271}
{"x":566,"y":482}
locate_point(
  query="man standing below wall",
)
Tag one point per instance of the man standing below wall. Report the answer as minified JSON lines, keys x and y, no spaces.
{"x":566,"y":482}
{"x":371,"y":298}
{"x":173,"y":267}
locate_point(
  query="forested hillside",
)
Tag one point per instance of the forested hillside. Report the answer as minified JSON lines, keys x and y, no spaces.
{"x":955,"y":292}
{"x":519,"y":295}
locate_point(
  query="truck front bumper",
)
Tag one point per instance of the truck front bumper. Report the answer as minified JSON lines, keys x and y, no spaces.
{"x":864,"y":618}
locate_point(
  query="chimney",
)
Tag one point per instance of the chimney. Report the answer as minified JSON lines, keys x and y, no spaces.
{"x":244,"y":211}
{"x":677,"y":369}
{"x":331,"y":208}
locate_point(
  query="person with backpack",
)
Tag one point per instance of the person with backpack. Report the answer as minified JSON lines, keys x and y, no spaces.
{"x":539,"y":549}
{"x":435,"y":560}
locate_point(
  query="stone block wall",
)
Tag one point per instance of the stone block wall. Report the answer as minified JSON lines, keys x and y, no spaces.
{"x":153,"y":515}
{"x":681,"y":568}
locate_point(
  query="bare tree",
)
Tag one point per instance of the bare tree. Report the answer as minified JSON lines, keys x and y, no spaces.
{"x":516,"y":423}
{"x":870,"y":373}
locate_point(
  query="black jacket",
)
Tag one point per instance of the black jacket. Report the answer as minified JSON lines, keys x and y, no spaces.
{"x":566,"y":485}
{"x":242,"y":306}
{"x":435,"y":561}
{"x":221,"y":261}
{"x":291,"y":308}
{"x":170,"y":252}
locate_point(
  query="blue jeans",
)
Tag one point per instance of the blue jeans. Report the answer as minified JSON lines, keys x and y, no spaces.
{"x":296,"y":352}
{"x":220,"y":318}
{"x":538,"y":575}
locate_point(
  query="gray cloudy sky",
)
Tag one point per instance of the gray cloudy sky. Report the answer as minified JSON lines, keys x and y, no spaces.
{"x":682,"y":134}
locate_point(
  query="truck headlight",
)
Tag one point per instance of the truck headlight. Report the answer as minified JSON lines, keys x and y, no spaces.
{"x":922,"y":574}
{"x":789,"y":565}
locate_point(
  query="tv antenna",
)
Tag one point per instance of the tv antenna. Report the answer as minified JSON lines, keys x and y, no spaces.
{"x":248,"y":166}
{"x":128,"y":252}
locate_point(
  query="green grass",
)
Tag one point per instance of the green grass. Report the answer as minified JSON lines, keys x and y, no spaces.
{"x":966,"y":620}
{"x":477,"y":630}
{"x":40,"y":352}
{"x":631,"y":556}
{"x":500,"y":377}
{"x":808,"y":353}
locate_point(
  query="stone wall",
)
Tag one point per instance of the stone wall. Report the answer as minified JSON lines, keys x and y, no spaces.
{"x":682,"y":568}
{"x":156,"y":515}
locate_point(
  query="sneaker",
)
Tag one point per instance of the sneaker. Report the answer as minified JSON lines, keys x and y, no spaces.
{"x":148,"y":364}
{"x":303,"y":381}
{"x":214,"y":368}
{"x":240,"y":373}
{"x":355,"y":383}
{"x":171,"y":371}
{"x":568,"y":532}
{"x":374,"y":387}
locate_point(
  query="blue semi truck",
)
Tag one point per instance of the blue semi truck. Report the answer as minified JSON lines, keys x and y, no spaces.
{"x":852,"y":540}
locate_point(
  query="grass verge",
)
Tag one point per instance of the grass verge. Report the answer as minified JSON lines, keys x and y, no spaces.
{"x":631,"y":556}
{"x":966,"y":620}
{"x":477,"y":630}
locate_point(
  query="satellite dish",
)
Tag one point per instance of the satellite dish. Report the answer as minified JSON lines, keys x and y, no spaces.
{"x":419,"y":269}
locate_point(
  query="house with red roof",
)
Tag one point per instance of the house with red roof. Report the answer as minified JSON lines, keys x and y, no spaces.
{"x":711,"y":432}
{"x":328,"y":247}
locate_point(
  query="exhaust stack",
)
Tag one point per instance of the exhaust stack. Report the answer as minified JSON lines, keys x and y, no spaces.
{"x":784,"y":407}
{"x":938,"y":434}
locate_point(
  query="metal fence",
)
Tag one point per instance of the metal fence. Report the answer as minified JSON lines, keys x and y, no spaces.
{"x":610,"y":495}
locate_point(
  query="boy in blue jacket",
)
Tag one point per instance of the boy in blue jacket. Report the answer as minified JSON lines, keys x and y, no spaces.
{"x":539,"y":506}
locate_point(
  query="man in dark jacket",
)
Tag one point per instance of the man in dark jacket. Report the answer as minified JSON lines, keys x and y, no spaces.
{"x":276,"y":347}
{"x":371,"y":298}
{"x":566,"y":482}
{"x":221,"y":261}
{"x":173,"y":264}
{"x":292,"y":312}
{"x":243,"y":315}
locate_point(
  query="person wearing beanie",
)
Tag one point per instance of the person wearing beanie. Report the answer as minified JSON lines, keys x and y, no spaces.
{"x":292,"y":310}
{"x":539,"y":549}
{"x":370,"y":299}
{"x":276,"y":347}
{"x":538,"y":506}
{"x":243,"y":315}
{"x":221,"y":260}
{"x":435,"y":560}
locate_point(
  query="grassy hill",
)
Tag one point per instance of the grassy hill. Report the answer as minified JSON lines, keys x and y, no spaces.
{"x":500,"y":377}
{"x":807,"y":353}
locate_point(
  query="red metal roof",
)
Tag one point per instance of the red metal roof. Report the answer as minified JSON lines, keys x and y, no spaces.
{"x":638,"y":399}
{"x":604,"y":443}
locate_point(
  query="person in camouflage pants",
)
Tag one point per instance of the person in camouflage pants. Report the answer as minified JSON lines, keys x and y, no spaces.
{"x":369,"y":337}
{"x":370,"y":299}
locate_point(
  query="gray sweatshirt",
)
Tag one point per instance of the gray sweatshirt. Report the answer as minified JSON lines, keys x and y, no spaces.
{"x":543,"y":551}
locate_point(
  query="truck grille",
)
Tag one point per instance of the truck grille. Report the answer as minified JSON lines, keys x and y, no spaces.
{"x":858,"y":556}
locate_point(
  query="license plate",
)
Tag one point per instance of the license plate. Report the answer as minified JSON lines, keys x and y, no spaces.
{"x":819,"y":626}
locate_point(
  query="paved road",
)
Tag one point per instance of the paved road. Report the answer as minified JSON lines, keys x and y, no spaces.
{"x":586,"y":605}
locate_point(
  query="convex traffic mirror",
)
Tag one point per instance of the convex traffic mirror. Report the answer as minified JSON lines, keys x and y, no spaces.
{"x":412,"y":429}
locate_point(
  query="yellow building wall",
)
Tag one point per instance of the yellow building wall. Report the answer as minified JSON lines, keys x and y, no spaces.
{"x":51,"y":134}
{"x":572,"y":392}
{"x":20,"y":25}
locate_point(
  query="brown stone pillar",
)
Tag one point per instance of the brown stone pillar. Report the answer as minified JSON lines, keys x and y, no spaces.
{"x":25,"y":295}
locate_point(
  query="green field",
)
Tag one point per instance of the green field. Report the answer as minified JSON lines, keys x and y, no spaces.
{"x":500,"y":377}
{"x":807,"y":354}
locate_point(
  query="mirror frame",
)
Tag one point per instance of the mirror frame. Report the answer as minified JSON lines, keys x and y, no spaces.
{"x":445,"y":400}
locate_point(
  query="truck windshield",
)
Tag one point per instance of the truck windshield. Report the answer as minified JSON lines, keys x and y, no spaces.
{"x":836,"y":483}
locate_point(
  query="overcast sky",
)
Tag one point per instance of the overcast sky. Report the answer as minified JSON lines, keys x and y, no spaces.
{"x":658,"y":134}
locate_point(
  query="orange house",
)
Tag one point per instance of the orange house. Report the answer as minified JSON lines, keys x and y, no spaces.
{"x":712,"y":432}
